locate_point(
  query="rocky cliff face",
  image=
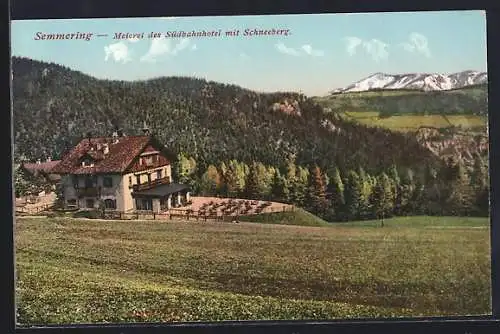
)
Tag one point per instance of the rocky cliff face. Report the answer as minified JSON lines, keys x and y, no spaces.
{"x":452,"y":144}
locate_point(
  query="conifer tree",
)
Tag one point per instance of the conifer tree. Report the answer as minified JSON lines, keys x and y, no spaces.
{"x":223,"y":170}
{"x":21,"y":183}
{"x":317,"y":191}
{"x":353,"y":195}
{"x":366,"y":189}
{"x":383,"y":197}
{"x":264,"y":180}
{"x":234,"y":178}
{"x":460,"y":200}
{"x":290,"y":182}
{"x":278,"y":187}
{"x":252,"y":183}
{"x":300,"y":188}
{"x":396,"y":189}
{"x":184,"y":168}
{"x":479,"y":183}
{"x":336,"y":194}
{"x":211,"y":181}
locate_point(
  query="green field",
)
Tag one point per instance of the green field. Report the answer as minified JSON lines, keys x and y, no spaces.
{"x":80,"y":271}
{"x":413,"y":122}
{"x":296,"y":217}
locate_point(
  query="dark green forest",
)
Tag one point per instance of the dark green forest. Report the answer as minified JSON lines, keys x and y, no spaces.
{"x":238,"y":143}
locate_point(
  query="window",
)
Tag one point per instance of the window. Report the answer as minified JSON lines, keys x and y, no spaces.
{"x":163,"y":204}
{"x":110,"y":203}
{"x":144,"y":204}
{"x":148,"y":161}
{"x":87,"y":163}
{"x":71,"y":202}
{"x":158,"y":174}
{"x":107,"y":182}
{"x":75,"y":181}
{"x":149,"y":178}
{"x":89,"y":203}
{"x":130,"y":182}
{"x":138,"y":179}
{"x":89,"y":181}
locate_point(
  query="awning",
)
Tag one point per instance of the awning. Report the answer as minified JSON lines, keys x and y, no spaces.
{"x":161,"y":190}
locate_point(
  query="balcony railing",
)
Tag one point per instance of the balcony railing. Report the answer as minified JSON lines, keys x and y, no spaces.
{"x":152,"y":184}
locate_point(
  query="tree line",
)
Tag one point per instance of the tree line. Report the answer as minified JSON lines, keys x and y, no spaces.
{"x":345,"y":195}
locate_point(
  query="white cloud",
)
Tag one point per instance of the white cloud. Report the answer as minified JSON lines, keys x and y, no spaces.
{"x":417,"y":43}
{"x":352,"y":44}
{"x":163,"y":46}
{"x":159,"y":46}
{"x":377,"y":49}
{"x":306,"y":48}
{"x":183,"y":44}
{"x":374,"y":47}
{"x":310,"y":51}
{"x":286,"y":50}
{"x":118,"y":52}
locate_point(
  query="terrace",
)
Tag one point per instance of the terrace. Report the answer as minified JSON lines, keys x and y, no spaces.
{"x":151,"y":184}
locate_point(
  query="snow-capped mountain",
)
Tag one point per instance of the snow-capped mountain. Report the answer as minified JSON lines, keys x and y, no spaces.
{"x":417,"y":81}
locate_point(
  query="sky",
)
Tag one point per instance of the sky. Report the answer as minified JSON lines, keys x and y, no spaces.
{"x":321,"y":52}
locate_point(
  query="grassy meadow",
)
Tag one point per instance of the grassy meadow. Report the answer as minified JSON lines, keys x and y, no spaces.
{"x":413,"y":122}
{"x":81,"y":271}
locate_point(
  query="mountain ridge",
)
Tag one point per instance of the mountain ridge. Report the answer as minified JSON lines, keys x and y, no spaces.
{"x":416,"y":81}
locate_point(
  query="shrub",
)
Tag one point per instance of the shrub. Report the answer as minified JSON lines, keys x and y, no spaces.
{"x":93,"y":214}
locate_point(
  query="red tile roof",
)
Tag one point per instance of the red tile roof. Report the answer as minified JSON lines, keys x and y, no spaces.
{"x":119,"y":157}
{"x":45,"y":167}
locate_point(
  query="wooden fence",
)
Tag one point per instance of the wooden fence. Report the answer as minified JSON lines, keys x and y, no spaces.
{"x":184,"y":214}
{"x":32,"y":210}
{"x":172,"y":214}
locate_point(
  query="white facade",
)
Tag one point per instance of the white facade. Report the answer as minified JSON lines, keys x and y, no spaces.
{"x":85,"y":191}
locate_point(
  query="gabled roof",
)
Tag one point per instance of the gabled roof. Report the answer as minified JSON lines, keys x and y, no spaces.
{"x":121,"y":154}
{"x":45,"y":167}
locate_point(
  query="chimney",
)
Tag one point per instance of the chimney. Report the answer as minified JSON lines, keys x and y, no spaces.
{"x":49,"y":159}
{"x":115,"y":137}
{"x":145,"y":129}
{"x":105,"y":149}
{"x":89,"y":136}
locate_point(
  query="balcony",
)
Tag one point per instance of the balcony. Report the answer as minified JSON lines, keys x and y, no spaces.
{"x":152,"y":184}
{"x":88,"y":192}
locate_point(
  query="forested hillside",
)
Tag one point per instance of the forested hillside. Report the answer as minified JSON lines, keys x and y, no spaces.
{"x":54,"y":107}
{"x":235,"y":142}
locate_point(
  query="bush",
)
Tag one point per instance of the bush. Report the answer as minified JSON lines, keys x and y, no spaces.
{"x":93,"y":214}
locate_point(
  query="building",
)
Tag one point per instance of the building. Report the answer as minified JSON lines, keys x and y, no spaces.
{"x":42,"y":170}
{"x":124,"y":173}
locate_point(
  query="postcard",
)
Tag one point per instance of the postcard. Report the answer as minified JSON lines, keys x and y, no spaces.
{"x":284,"y":167}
